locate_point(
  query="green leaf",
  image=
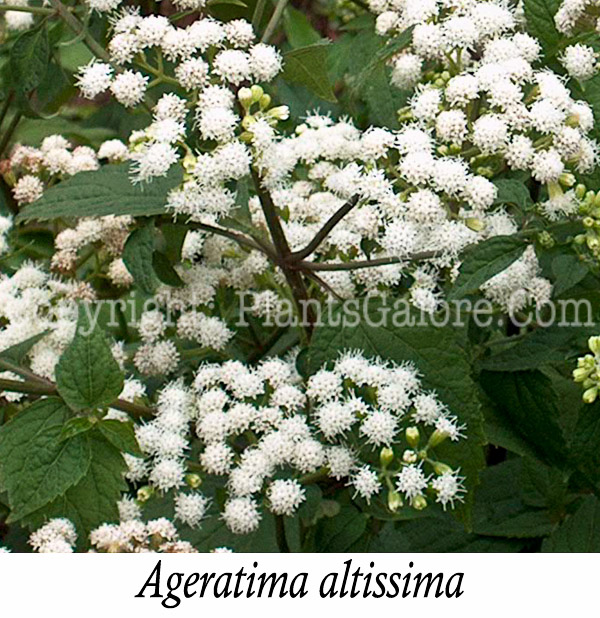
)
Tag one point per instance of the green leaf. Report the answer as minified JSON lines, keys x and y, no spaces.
{"x":540,"y":22}
{"x":164,"y":270}
{"x":121,"y":435}
{"x":512,"y":192}
{"x":529,"y":402}
{"x":499,"y":507}
{"x":586,"y":440}
{"x":569,"y":270}
{"x":438,"y":354}
{"x":76,"y":426}
{"x":338,"y":534}
{"x":93,"y":500}
{"x":308,"y":66}
{"x":29,"y":58}
{"x":485,"y":260}
{"x":36,"y":466}
{"x":138,"y":255}
{"x":298,"y":29}
{"x":579,"y":533}
{"x":17,"y":353}
{"x":107,"y":191}
{"x":87,"y":375}
{"x":592,"y":95}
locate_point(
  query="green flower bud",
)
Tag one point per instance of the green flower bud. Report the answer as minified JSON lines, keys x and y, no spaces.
{"x":580,"y":374}
{"x":588,"y":222}
{"x":257,"y":93}
{"x":394,"y":501}
{"x":437,"y":437}
{"x":567,"y":180}
{"x":594,"y":344}
{"x":264,"y":101}
{"x":475,"y":224}
{"x":386,"y":456}
{"x":597,"y":199}
{"x":580,"y":191}
{"x":441,"y":468}
{"x":193,"y":480}
{"x":145,"y":493}
{"x":245,"y":97}
{"x":419,"y":503}
{"x":590,"y":395}
{"x":413,"y":436}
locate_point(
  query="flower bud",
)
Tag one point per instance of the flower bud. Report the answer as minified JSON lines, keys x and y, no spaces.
{"x":475,"y":224}
{"x":193,"y":480}
{"x":567,"y":180}
{"x":419,"y":503}
{"x":394,"y":501}
{"x":257,"y":93}
{"x":145,"y":493}
{"x":590,"y":395}
{"x":594,"y":344}
{"x":437,"y":437}
{"x":441,"y":468}
{"x":413,"y":436}
{"x":409,"y":456}
{"x":245,"y":97}
{"x":580,"y":191}
{"x":264,"y":101}
{"x":386,"y":456}
{"x":580,"y":374}
{"x":280,"y":113}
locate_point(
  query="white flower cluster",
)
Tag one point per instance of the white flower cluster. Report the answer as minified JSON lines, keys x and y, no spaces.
{"x":212,"y":60}
{"x":254,"y":429}
{"x":33,"y":168}
{"x":107,"y":234}
{"x":519,"y":285}
{"x":135,"y":536}
{"x":32,"y":302}
{"x":58,"y":536}
{"x":18,"y":20}
{"x":6,"y":224}
{"x":572,"y":13}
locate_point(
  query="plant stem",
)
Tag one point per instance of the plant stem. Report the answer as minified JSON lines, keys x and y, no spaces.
{"x":78,"y":28}
{"x":324,"y":231}
{"x":274,"y":21}
{"x":242,"y":240}
{"x":36,"y":10}
{"x":6,"y":105}
{"x":424,"y":255}
{"x":258,"y":14}
{"x":9,"y":132}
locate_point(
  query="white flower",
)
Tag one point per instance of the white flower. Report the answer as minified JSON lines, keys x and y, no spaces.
{"x":94,"y":78}
{"x":285,"y":496}
{"x":265,"y":62}
{"x":579,"y":61}
{"x":153,"y":160}
{"x":241,"y":515}
{"x":365,"y":482}
{"x":129,"y":88}
{"x":411,"y":481}
{"x":232,"y":65}
{"x":190,"y":508}
{"x":449,"y":487}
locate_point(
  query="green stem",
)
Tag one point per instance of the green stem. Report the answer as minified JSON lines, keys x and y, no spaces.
{"x":424,"y":255}
{"x":258,"y":14}
{"x":36,"y":10}
{"x":274,"y":21}
{"x":9,"y":132}
{"x":6,"y":105}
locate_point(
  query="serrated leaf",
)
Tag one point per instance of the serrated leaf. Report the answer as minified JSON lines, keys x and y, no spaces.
{"x":17,"y":353}
{"x":485,"y":260}
{"x":36,"y":466}
{"x":87,"y":375}
{"x":107,"y":191}
{"x":308,"y":66}
{"x":512,"y":192}
{"x":569,"y":270}
{"x":578,"y":533}
{"x":29,"y":58}
{"x":138,"y":255}
{"x":93,"y":500}
{"x":121,"y":435}
{"x":540,"y":22}
{"x":499,"y":509}
{"x":528,"y":400}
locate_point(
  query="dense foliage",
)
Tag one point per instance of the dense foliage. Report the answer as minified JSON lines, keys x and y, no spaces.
{"x":299,"y":276}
